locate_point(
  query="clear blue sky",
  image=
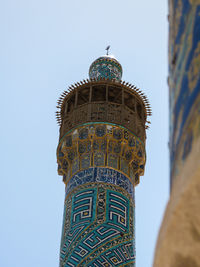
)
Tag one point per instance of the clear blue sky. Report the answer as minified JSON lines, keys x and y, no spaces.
{"x":46,"y":46}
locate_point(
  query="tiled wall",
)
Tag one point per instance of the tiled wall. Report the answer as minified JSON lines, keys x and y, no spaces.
{"x":98,"y":223}
{"x":184,"y":81}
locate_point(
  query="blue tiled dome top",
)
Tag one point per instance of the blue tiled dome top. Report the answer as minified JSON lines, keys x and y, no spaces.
{"x":105,"y":67}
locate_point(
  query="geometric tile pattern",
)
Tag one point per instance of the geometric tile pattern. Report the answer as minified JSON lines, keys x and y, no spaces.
{"x":116,"y":256}
{"x":98,"y":227}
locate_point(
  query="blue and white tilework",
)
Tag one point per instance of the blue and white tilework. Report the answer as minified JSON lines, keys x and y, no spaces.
{"x":106,"y":67}
{"x":98,"y":226}
{"x":100,"y":175}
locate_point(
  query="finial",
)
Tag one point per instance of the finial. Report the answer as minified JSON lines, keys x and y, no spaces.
{"x":107,"y":48}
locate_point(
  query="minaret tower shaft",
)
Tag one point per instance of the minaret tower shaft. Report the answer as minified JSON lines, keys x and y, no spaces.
{"x":101,"y":156}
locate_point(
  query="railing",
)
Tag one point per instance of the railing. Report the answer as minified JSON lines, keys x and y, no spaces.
{"x":104,"y":112}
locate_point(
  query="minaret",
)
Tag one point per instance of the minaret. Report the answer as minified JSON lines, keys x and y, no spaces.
{"x":101,"y":156}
